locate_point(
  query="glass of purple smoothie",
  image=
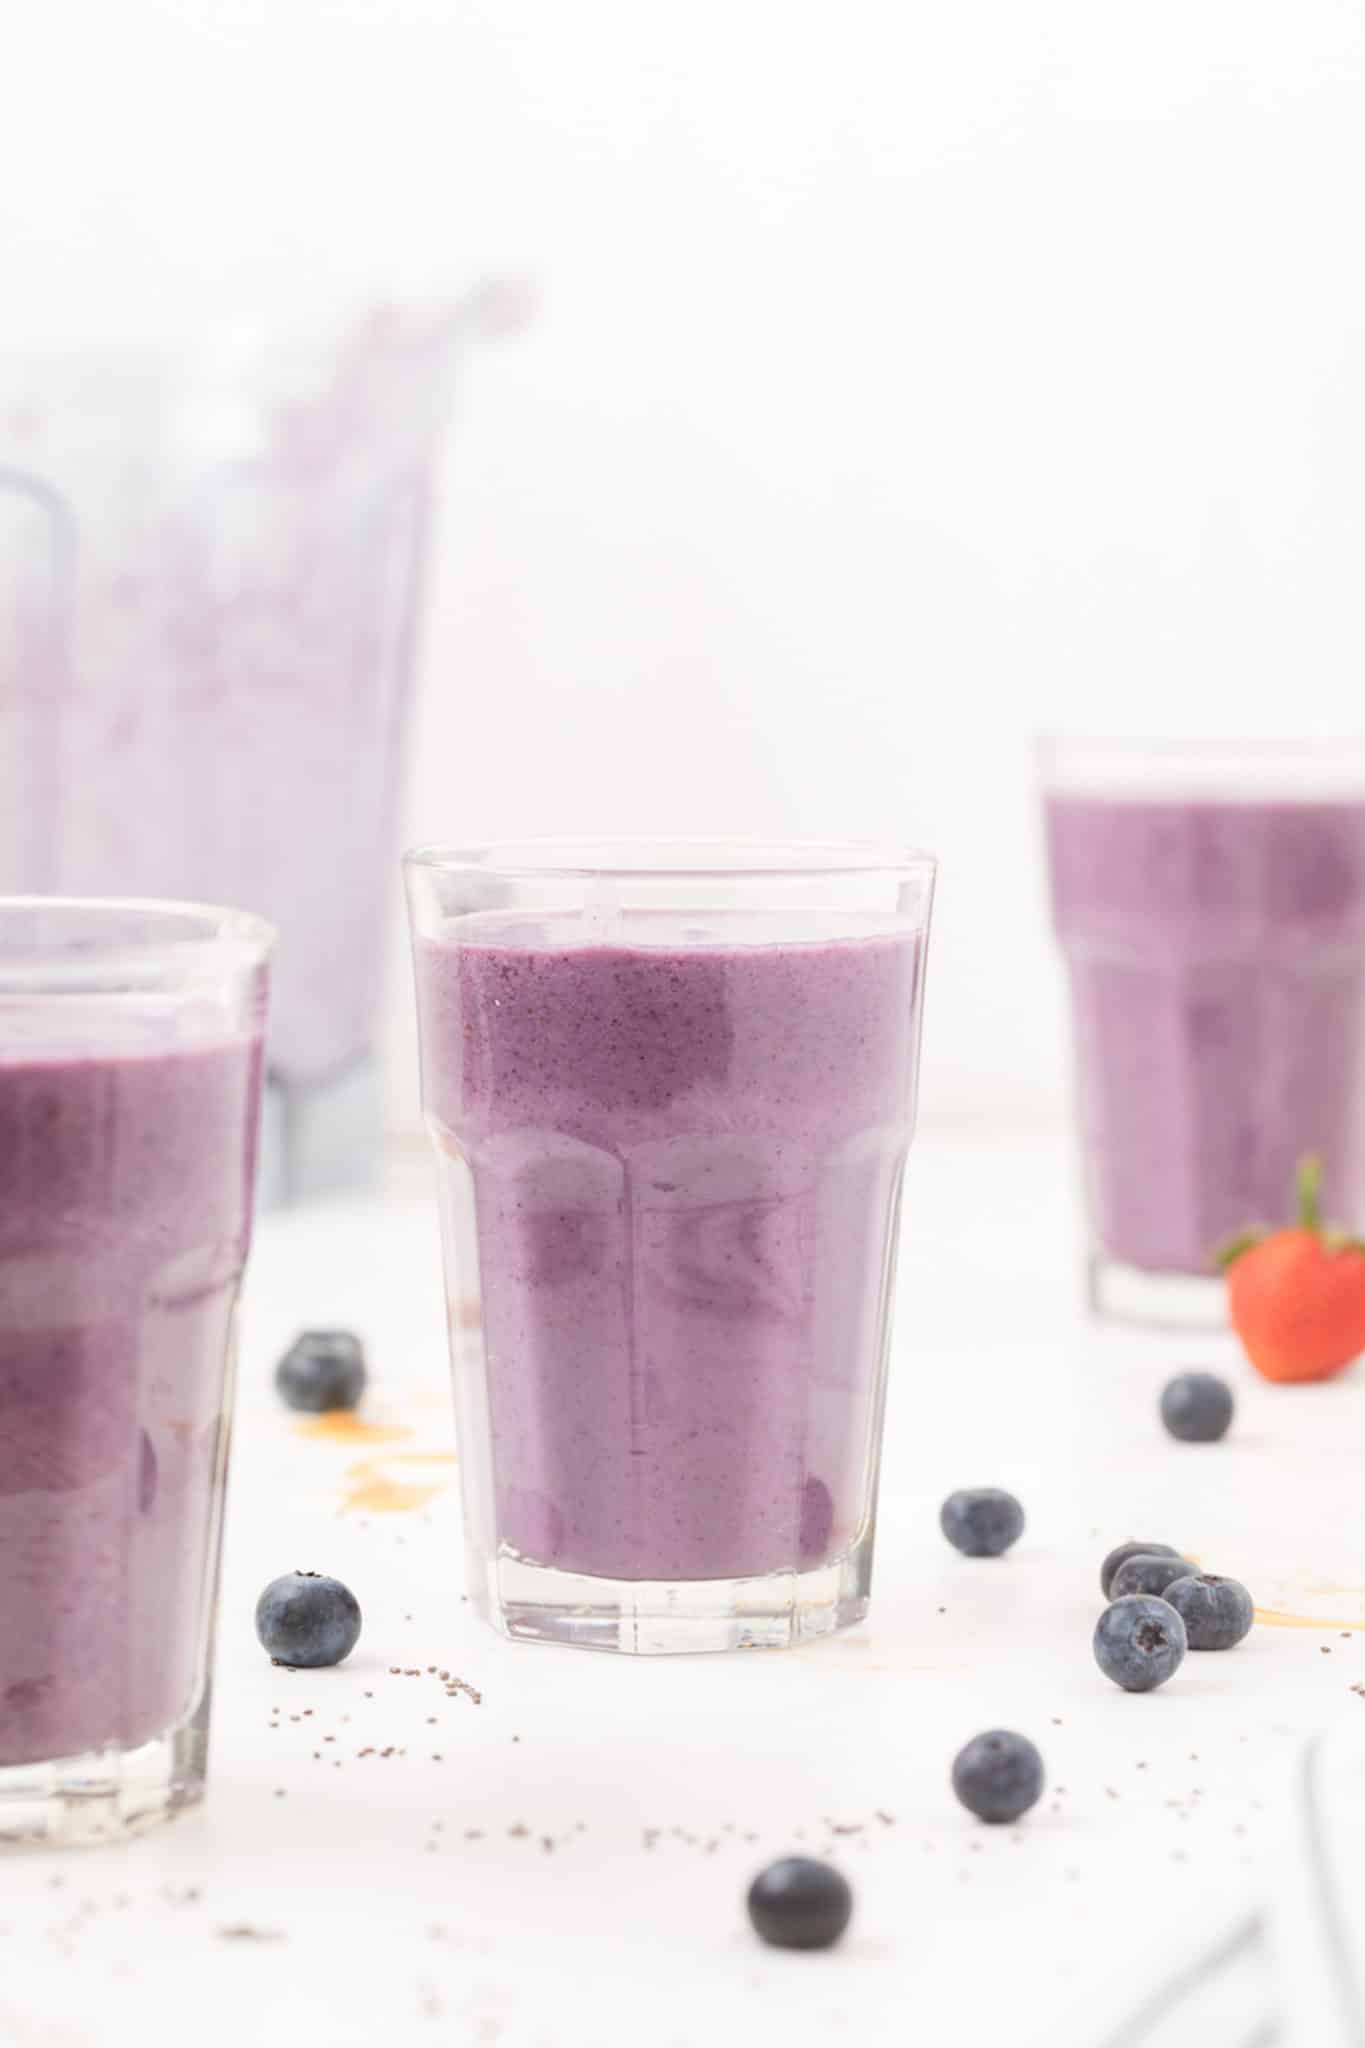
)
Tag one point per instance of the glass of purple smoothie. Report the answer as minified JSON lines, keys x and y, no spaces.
{"x":130,"y":1076}
{"x":1209,"y":899}
{"x":671,"y":1089}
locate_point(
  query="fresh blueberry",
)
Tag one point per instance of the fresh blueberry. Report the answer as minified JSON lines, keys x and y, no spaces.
{"x":305,"y":1619}
{"x":1148,"y":1572}
{"x":799,"y":1903}
{"x":998,"y":1776}
{"x":322,"y":1369}
{"x":1122,"y":1555}
{"x":1217,"y":1613}
{"x":1197,"y":1407}
{"x":981,"y":1521}
{"x":1139,"y":1642}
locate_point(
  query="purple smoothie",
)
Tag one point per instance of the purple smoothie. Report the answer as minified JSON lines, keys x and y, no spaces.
{"x":1216,"y":950}
{"x":125,"y":1207}
{"x":683,"y":1157}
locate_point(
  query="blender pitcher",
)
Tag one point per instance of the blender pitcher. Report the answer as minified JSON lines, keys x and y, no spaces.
{"x":211,"y":565}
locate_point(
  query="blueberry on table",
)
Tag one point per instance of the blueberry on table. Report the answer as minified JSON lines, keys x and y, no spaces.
{"x":1121,"y":1555}
{"x":1217,"y":1613}
{"x":981,"y":1521}
{"x":321,"y":1370}
{"x":1149,"y":1572}
{"x":1197,"y":1407}
{"x":307,"y":1620}
{"x":799,"y":1903}
{"x":1139,"y":1642}
{"x":998,"y":1776}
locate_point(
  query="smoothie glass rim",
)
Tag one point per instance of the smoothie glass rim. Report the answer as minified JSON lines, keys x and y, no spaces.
{"x":223,"y":921}
{"x":637,"y":858}
{"x":1200,"y":765}
{"x":181,"y":936}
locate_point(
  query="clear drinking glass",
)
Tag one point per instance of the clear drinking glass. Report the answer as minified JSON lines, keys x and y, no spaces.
{"x":671,"y":1088}
{"x":1209,"y":899}
{"x":130,"y":1080}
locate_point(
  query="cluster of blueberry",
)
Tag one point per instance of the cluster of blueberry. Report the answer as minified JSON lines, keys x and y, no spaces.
{"x":1161,"y":1606}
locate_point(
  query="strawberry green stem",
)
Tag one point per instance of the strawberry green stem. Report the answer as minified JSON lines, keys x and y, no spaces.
{"x":1309,"y":1185}
{"x":1232,"y":1248}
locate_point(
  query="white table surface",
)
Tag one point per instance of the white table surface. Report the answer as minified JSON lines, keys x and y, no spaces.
{"x":563,"y":1864}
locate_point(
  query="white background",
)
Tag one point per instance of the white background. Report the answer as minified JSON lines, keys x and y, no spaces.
{"x":906,"y":377}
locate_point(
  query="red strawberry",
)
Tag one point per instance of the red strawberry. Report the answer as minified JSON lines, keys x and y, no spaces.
{"x":1297,"y":1297}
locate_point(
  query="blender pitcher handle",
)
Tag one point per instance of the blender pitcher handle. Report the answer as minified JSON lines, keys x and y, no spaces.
{"x":35,"y":619}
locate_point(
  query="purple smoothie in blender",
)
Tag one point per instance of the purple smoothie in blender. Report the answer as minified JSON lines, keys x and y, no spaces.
{"x":210,"y":581}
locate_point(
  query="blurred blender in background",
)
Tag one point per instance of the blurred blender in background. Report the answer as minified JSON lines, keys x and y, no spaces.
{"x":1210,"y":903}
{"x":211,"y":576}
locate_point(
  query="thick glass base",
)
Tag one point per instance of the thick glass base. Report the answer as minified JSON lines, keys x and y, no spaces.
{"x":659,"y":1618}
{"x":78,"y":1802}
{"x":1156,"y":1301}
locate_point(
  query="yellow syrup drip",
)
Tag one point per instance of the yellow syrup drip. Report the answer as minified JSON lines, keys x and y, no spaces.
{"x":339,"y":1426}
{"x":1274,"y":1617}
{"x":372,"y":1490}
